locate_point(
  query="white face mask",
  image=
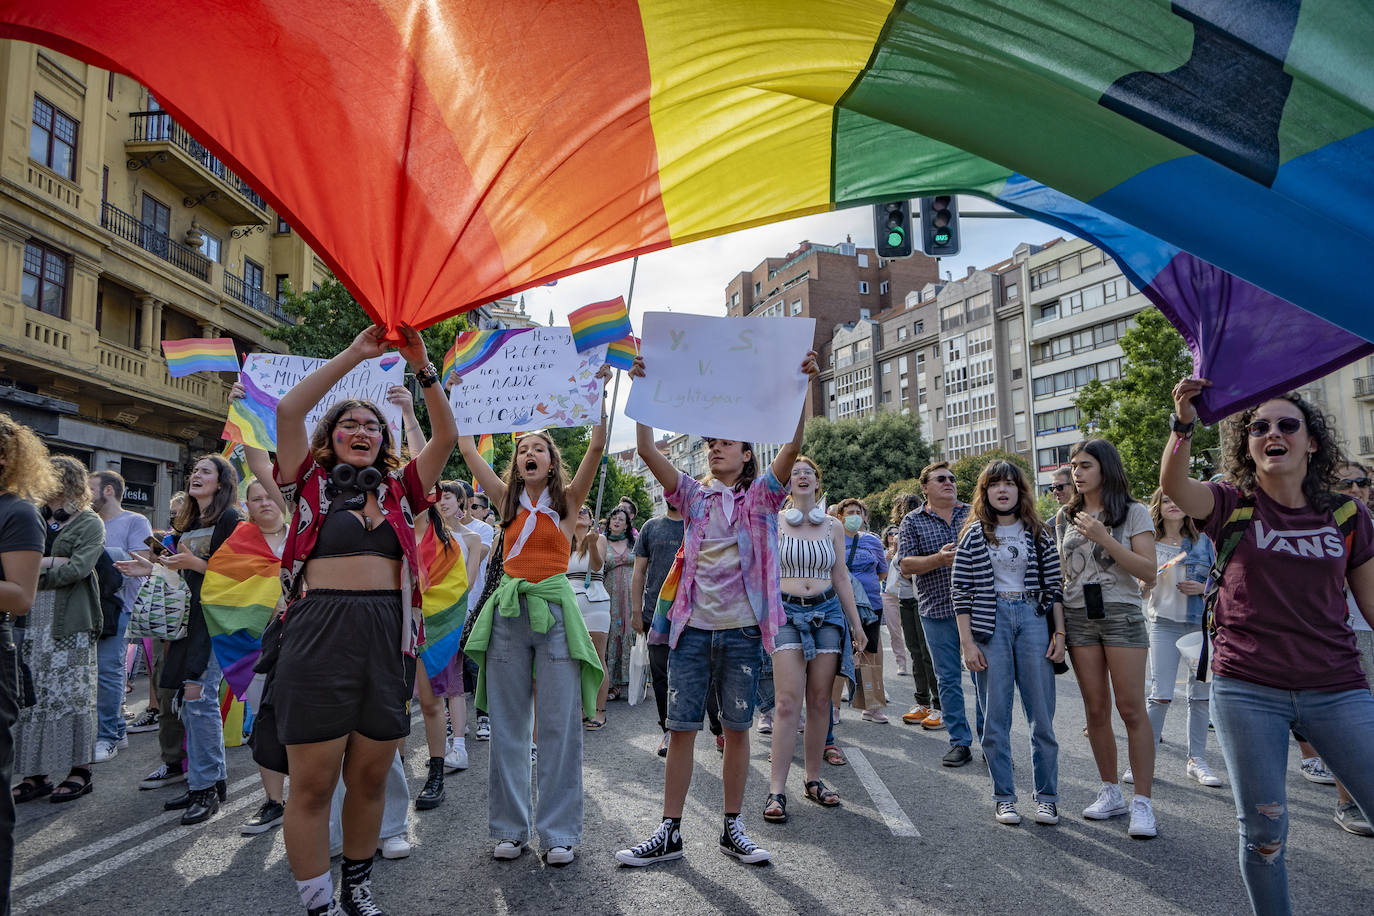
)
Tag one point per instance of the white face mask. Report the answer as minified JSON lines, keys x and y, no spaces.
{"x":795,"y":517}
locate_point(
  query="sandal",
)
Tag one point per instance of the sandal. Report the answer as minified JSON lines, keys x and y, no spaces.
{"x":834,"y":757}
{"x":75,"y":788}
{"x":822,"y":794}
{"x":613,"y":694}
{"x":593,"y":724}
{"x":28,"y":790}
{"x":775,"y":809}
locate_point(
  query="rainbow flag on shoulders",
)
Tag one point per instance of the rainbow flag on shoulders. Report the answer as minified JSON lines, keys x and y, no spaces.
{"x":239,"y":594}
{"x":599,"y":323}
{"x":200,"y":354}
{"x":445,"y":600}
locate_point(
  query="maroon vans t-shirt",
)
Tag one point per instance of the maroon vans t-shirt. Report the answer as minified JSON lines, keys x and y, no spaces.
{"x":1281,"y":614}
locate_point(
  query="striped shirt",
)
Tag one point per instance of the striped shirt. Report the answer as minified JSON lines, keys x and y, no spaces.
{"x":972,"y":584}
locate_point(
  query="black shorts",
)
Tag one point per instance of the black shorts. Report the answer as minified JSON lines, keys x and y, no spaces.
{"x":341,"y":669}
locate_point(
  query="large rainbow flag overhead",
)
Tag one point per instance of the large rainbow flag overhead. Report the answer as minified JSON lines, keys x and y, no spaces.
{"x":240,"y":591}
{"x":1221,"y":150}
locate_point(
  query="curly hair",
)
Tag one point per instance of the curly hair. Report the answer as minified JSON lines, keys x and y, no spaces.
{"x":624,"y":513}
{"x":1321,"y":478}
{"x":980,"y":513}
{"x":73,"y":483}
{"x":24,"y":467}
{"x":515,"y":483}
{"x":322,"y":448}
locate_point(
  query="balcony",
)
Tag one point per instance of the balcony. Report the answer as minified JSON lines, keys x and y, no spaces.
{"x":154,"y":242}
{"x":256,"y":298}
{"x":1367,"y":445}
{"x":161,"y":144}
{"x":1364,"y":386}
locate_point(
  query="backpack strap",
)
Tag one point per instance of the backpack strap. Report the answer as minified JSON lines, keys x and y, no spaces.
{"x":1229,"y":538}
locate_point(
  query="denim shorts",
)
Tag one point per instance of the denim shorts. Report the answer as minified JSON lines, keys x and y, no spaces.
{"x":813,"y":629}
{"x":1123,"y":627}
{"x":725,"y":661}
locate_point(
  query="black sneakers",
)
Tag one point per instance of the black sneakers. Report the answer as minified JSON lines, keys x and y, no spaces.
{"x":665,"y":844}
{"x":204,"y":804}
{"x":433,"y":792}
{"x":268,"y":816}
{"x":357,"y":900}
{"x":735,"y":842}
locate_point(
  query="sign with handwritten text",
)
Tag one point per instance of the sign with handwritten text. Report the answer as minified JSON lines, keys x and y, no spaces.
{"x":735,"y":378}
{"x":535,"y":380}
{"x":268,"y":376}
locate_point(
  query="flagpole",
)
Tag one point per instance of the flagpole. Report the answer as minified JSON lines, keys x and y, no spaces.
{"x":615,"y":395}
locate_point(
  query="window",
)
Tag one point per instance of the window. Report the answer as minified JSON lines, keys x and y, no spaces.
{"x":796,"y":307}
{"x":1068,"y":267}
{"x":157,"y":223}
{"x":918,"y":327}
{"x":864,"y":314}
{"x":887,"y":397}
{"x":211,"y":247}
{"x":901,"y":333}
{"x":45,"y":280}
{"x":1012,"y":291}
{"x":1047,"y":312}
{"x":1045,"y":276}
{"x":863,"y":260}
{"x":283,"y":284}
{"x":884,"y":286}
{"x":887,"y":367}
{"x":52,"y":139}
{"x":734,"y":298}
{"x":1090,"y":256}
{"x":252,"y":275}
{"x":863,"y":287}
{"x":901,"y":365}
{"x":758,"y":288}
{"x":283,"y":227}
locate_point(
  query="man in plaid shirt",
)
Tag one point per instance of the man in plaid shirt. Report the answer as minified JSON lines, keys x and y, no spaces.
{"x":925,"y":544}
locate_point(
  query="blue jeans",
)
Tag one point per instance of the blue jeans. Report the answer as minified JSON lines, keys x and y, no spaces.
{"x":394,"y":812}
{"x":1253,"y":723}
{"x":1016,"y":661}
{"x":726,"y":661}
{"x":942,"y":636}
{"x":110,"y":679}
{"x":1164,"y":659}
{"x":204,"y":731}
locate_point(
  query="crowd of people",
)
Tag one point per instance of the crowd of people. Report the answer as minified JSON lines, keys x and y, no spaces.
{"x":752,"y":595}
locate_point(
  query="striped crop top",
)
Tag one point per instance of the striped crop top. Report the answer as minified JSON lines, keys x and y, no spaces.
{"x":799,"y":558}
{"x":545,"y":554}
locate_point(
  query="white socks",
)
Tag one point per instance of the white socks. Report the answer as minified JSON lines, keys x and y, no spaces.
{"x":316,"y":892}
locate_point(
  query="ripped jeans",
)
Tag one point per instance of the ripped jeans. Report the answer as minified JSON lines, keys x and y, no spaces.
{"x":1252,"y":725}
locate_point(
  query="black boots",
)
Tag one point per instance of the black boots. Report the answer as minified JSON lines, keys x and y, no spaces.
{"x":433,"y":792}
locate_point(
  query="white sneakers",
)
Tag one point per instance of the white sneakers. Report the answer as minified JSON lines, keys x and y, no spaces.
{"x":1198,"y":769}
{"x":1142,"y":819}
{"x":1128,"y":777}
{"x":1109,"y":804}
{"x":483,"y":728}
{"x":1314,"y":770}
{"x":507,"y":849}
{"x":106,"y":750}
{"x":395,"y":847}
{"x":559,"y":856}
{"x":455,"y":756}
{"x":1047,"y":813}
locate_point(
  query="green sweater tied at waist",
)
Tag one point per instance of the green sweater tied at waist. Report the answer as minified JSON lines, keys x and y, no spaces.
{"x":505,"y":600}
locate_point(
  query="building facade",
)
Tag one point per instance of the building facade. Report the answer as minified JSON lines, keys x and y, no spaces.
{"x":118,"y":230}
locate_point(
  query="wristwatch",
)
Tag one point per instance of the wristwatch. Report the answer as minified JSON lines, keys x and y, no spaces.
{"x":1184,"y":430}
{"x":426,"y":375}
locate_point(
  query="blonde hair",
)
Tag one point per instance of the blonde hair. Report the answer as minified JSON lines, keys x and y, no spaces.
{"x":73,"y":483}
{"x":24,"y":467}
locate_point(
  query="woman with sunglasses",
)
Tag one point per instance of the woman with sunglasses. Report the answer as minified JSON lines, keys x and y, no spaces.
{"x":1107,"y":551}
{"x":1283,"y":653}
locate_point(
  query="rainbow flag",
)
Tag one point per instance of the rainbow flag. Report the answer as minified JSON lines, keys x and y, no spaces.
{"x":472,"y":348}
{"x":487,"y":449}
{"x":661,"y":626}
{"x":599,"y":323}
{"x":621,"y":354}
{"x":240,"y":591}
{"x":231,"y":715}
{"x":450,"y":361}
{"x":200,"y":354}
{"x":445,"y":600}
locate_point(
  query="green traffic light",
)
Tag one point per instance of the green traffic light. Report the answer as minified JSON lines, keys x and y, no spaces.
{"x":941,"y":237}
{"x":895,"y":238}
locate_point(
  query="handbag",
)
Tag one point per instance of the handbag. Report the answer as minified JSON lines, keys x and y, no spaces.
{"x":639,"y":669}
{"x":1045,"y":606}
{"x":162,"y":608}
{"x":496,"y":569}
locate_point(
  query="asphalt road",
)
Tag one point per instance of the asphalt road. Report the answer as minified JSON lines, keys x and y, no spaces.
{"x":912,"y":837}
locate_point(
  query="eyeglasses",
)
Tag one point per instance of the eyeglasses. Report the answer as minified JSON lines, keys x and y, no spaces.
{"x":1056,"y":487}
{"x":1348,"y":482}
{"x":352,"y":426}
{"x":1286,"y":425}
{"x":942,"y":478}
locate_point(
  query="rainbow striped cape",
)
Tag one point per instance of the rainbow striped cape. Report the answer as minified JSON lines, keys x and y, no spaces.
{"x":240,"y":591}
{"x":445,"y":600}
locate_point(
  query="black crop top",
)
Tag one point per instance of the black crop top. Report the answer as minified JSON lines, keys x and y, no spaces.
{"x":343,"y":535}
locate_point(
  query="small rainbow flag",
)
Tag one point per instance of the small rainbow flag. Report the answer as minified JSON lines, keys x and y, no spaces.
{"x":621,"y":354}
{"x":599,"y":323}
{"x":472,"y":348}
{"x":487,"y":449}
{"x":200,"y":354}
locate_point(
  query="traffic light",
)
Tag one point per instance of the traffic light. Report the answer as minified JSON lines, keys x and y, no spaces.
{"x":940,"y":226}
{"x":892,"y":229}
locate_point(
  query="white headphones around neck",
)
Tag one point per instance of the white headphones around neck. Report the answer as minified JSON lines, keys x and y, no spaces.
{"x":816,"y":516}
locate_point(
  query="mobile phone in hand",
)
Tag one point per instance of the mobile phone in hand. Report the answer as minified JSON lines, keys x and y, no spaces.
{"x":157,"y":547}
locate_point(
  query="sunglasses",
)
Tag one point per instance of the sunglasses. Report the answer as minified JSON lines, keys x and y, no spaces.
{"x":1354,"y":482}
{"x":1056,"y":487}
{"x":1286,"y":425}
{"x":942,"y":478}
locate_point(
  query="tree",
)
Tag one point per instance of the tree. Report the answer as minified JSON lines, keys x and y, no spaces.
{"x":1132,"y":411}
{"x":880,"y":504}
{"x":862,"y":456}
{"x":967,"y":469}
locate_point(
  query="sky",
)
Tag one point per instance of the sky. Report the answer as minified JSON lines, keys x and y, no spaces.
{"x":692,"y":278}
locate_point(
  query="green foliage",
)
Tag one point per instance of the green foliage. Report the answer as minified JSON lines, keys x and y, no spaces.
{"x":967,"y":469}
{"x":880,"y":504}
{"x":1048,"y":506}
{"x":862,"y":456}
{"x":1133,"y":411}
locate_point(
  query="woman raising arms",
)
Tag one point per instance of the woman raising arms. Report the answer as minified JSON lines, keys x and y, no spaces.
{"x":347,"y":664}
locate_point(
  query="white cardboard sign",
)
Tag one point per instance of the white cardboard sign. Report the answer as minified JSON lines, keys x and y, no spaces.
{"x":268,"y":376}
{"x":735,"y":378}
{"x":536,"y":380}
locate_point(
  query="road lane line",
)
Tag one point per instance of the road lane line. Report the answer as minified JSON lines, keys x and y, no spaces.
{"x":39,"y":872}
{"x":887,"y":806}
{"x":99,"y":870}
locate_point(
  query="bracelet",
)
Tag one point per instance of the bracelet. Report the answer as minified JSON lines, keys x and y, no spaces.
{"x":426,"y":375}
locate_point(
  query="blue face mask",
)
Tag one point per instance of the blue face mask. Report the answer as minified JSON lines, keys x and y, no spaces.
{"x":852,"y":523}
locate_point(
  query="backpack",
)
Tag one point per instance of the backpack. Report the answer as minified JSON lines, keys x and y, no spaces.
{"x":109,"y":582}
{"x":1228,"y":539}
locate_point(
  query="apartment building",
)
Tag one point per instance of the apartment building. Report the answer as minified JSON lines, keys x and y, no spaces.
{"x":118,"y":231}
{"x":1078,"y":304}
{"x":850,"y":388}
{"x":909,"y":360}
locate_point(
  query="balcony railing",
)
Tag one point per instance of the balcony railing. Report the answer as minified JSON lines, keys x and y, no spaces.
{"x":1364,"y":386}
{"x":155,"y":126}
{"x":1367,"y":445}
{"x":156,"y":243}
{"x":252,"y":296}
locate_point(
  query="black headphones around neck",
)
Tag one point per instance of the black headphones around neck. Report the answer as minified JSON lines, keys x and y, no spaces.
{"x":347,"y":477}
{"x":59,"y":516}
